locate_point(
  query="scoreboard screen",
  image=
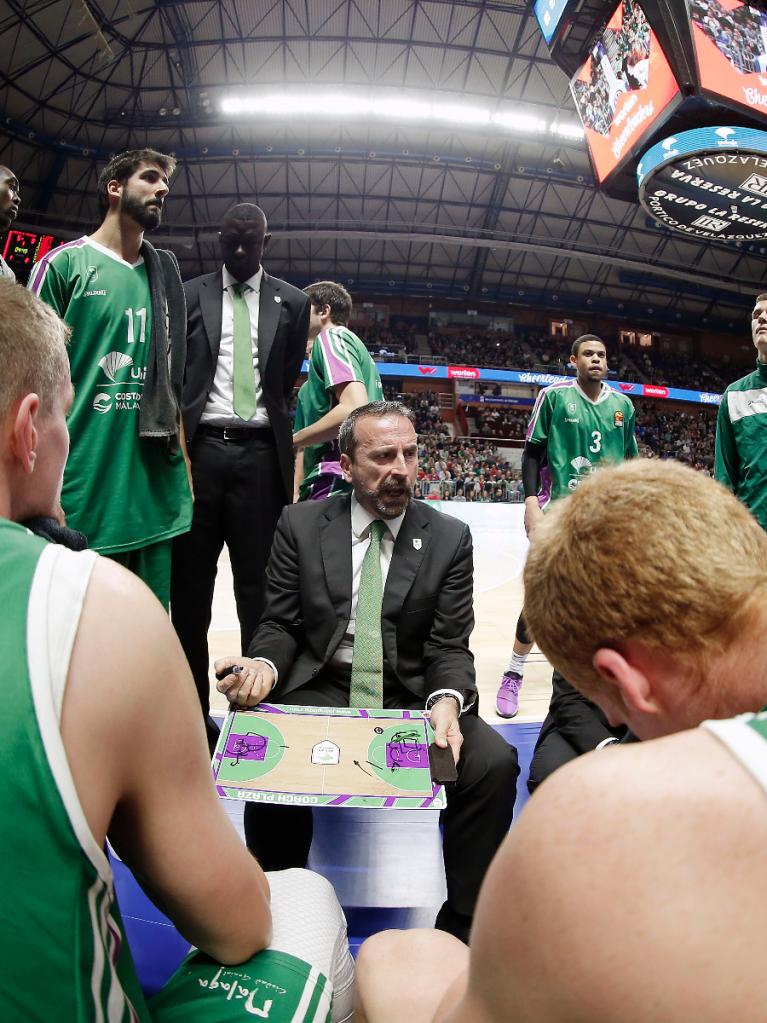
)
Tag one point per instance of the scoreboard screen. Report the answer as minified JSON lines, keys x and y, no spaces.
{"x":730,"y":40}
{"x":22,"y":249}
{"x":624,"y":90}
{"x":549,"y":13}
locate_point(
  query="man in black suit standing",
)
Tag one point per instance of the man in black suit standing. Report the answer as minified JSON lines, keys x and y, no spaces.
{"x":370,"y":603}
{"x":246,"y":336}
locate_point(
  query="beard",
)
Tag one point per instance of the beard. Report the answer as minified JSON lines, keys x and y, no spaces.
{"x":390,"y":499}
{"x":146,"y":214}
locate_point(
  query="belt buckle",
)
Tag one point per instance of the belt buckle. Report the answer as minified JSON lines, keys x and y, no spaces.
{"x":228,"y":433}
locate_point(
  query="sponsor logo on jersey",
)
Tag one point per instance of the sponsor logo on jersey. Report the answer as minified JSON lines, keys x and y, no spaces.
{"x":583,"y":467}
{"x":618,"y":418}
{"x":427,"y":371}
{"x":102,"y":403}
{"x":572,"y":408}
{"x":113,"y":362}
{"x":90,"y":294}
{"x":568,"y":419}
{"x":126,"y":400}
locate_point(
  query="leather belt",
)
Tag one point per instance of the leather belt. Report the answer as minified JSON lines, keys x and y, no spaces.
{"x":237,"y":434}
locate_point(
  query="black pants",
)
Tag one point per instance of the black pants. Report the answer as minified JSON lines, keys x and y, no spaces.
{"x":476,"y":820}
{"x":238,"y":497}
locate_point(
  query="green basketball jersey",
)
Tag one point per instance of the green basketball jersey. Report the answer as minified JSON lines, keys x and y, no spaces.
{"x":579,"y":434}
{"x":338,"y":357}
{"x":62,"y":948}
{"x":121,"y":490}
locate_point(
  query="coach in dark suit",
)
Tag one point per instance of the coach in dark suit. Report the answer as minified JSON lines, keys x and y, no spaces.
{"x":246,"y":340}
{"x":313,"y":645}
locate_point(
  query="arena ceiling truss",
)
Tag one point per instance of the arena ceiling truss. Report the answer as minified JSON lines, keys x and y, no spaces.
{"x":388,"y":206}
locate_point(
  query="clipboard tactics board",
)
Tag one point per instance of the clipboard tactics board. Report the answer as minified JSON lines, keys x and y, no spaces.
{"x":327,"y":756}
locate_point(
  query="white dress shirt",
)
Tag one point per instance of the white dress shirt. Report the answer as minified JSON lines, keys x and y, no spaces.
{"x":219,"y":409}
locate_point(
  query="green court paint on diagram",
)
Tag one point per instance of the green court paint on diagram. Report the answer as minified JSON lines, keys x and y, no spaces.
{"x":327,"y":757}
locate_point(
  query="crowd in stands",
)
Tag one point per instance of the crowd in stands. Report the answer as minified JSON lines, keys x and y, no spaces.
{"x":397,"y":341}
{"x":461,"y":469}
{"x":536,"y":351}
{"x":680,"y":371}
{"x":497,"y":422}
{"x":473,"y":469}
{"x":687,"y":436}
{"x":481,"y":348}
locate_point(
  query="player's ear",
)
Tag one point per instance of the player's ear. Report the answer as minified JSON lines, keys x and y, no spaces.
{"x":23,"y":431}
{"x":346,"y":467}
{"x":630,"y":683}
{"x":114,"y":189}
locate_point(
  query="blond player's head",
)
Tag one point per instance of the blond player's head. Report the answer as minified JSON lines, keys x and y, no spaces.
{"x":32,"y":347}
{"x":35,"y":395}
{"x":651,"y":555}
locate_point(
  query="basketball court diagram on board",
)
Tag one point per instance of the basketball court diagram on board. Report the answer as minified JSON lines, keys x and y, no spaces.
{"x":327,"y":756}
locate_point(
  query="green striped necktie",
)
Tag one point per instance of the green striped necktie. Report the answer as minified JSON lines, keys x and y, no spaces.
{"x":366,"y":689}
{"x":243,"y":378}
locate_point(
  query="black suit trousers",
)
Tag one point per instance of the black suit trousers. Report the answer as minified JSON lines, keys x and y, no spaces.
{"x":475,"y":822}
{"x":238,"y":497}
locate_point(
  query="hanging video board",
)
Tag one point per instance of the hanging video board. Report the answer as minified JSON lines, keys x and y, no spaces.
{"x":549,"y":13}
{"x":730,"y":41}
{"x":624,"y":90}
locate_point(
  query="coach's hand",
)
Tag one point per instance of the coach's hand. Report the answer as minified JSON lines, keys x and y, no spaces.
{"x":246,"y":687}
{"x":447,"y":728}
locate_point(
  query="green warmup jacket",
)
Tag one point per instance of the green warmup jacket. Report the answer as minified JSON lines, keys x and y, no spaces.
{"x":741,"y":441}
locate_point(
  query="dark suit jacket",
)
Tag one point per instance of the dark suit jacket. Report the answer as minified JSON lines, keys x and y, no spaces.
{"x":283,"y":326}
{"x":427,"y":613}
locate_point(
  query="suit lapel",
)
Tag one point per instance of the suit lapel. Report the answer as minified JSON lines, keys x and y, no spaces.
{"x":336,"y":549}
{"x":269,"y":306}
{"x":409,"y":550}
{"x":211,"y":306}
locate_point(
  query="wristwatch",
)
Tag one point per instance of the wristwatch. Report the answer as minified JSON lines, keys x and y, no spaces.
{"x":441,"y":694}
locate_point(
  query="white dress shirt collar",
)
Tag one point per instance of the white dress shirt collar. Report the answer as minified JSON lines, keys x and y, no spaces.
{"x":361,"y":519}
{"x":254,"y":282}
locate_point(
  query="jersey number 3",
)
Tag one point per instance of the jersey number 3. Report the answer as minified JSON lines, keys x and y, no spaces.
{"x":596,"y":442}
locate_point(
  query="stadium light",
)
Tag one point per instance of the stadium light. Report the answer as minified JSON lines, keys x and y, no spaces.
{"x":392,"y":107}
{"x":567,"y":131}
{"x":517,"y":121}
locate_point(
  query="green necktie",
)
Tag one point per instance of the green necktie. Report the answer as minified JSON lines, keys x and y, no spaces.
{"x":366,"y":689}
{"x":243,"y":379}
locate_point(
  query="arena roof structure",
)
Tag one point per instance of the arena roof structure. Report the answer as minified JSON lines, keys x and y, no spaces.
{"x":403,"y":147}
